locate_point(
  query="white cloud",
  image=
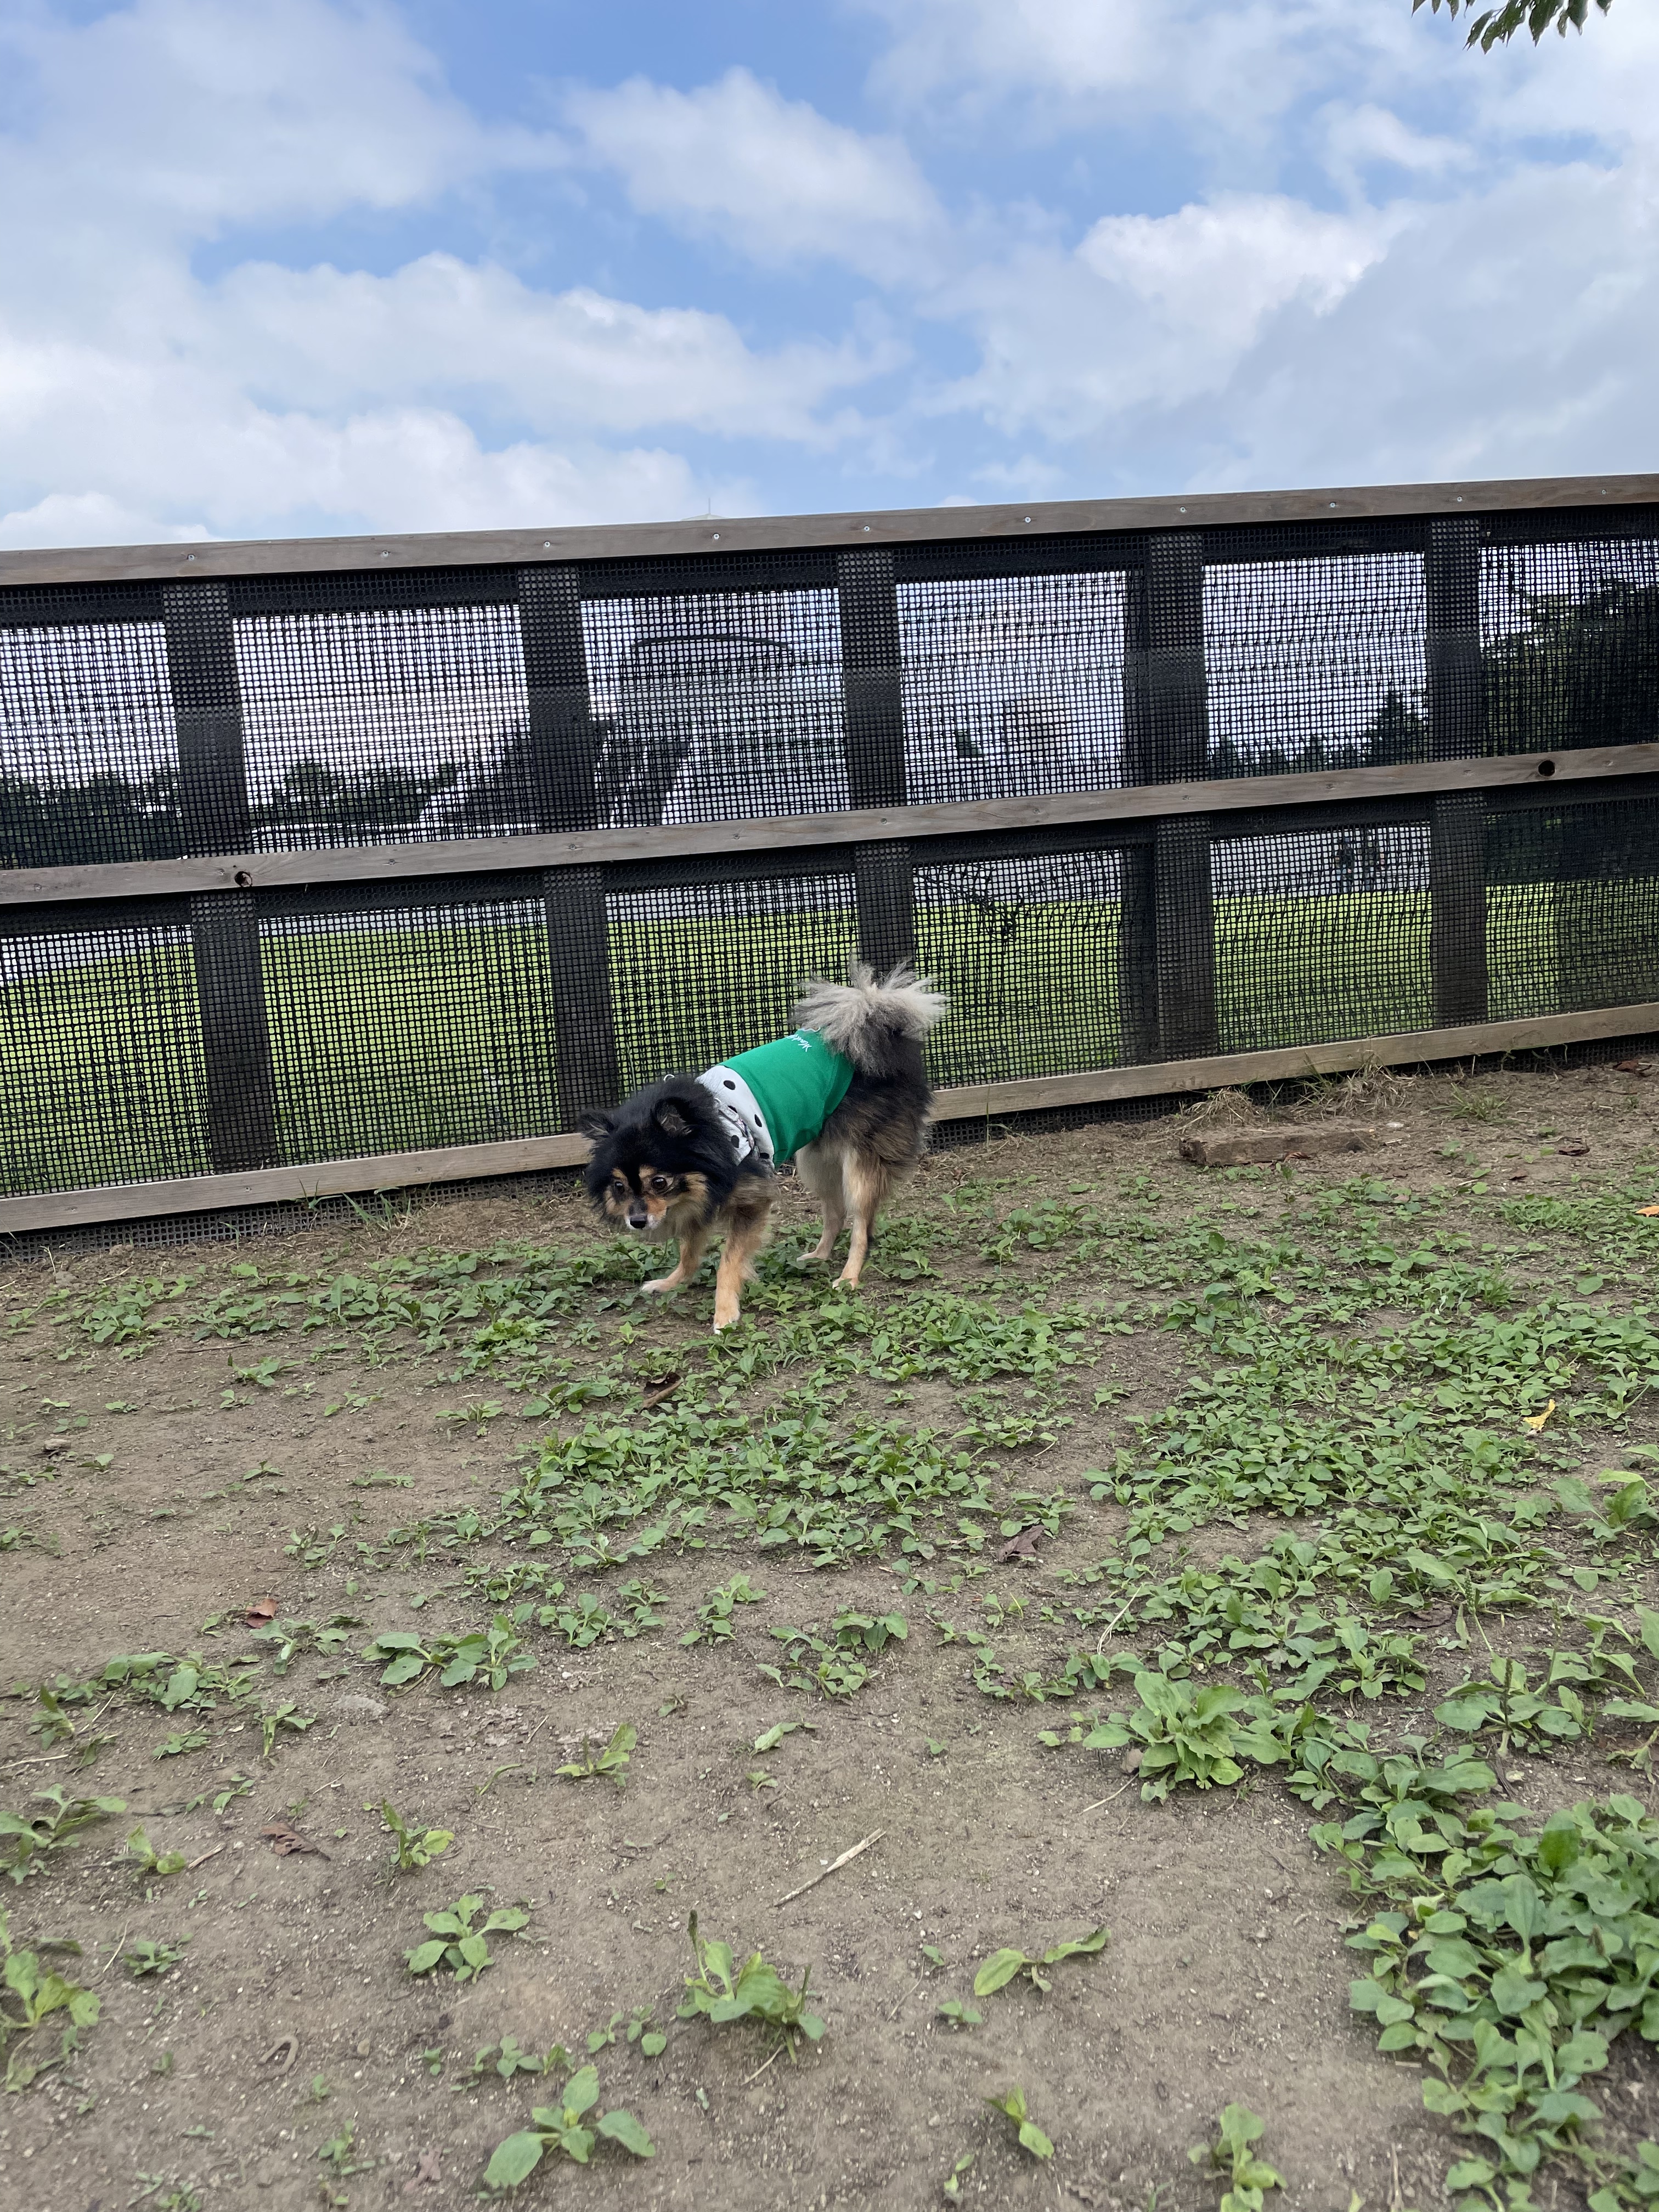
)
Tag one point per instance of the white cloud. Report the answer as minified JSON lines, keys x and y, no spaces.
{"x":137,"y":400}
{"x":769,"y":175}
{"x":1236,"y":66}
{"x":441,"y":327}
{"x":210,"y":458}
{"x":1359,"y":140}
{"x":1149,"y":310}
{"x":1509,"y":332}
{"x":200,"y":113}
{"x":92,"y":517}
{"x":1493,"y":311}
{"x":1303,"y":240}
{"x":1213,"y":273}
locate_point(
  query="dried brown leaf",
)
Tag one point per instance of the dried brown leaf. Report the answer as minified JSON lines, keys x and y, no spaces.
{"x":285,"y":1841}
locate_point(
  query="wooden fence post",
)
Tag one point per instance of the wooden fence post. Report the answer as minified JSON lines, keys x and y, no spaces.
{"x":224,"y":925}
{"x":1457,"y":823}
{"x":1166,"y":962}
{"x":872,"y":679}
{"x":562,"y":752}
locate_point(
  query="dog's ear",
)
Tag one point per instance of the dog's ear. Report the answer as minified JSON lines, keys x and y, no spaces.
{"x":672,"y":1118}
{"x":596,"y":1123}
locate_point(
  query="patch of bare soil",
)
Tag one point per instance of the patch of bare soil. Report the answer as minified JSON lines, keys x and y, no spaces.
{"x":185,"y":1492}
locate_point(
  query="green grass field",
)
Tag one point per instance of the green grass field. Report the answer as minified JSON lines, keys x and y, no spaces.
{"x":395,"y":1039}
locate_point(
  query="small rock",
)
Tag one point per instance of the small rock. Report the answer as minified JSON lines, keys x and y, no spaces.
{"x":358,"y":1706}
{"x":1131,"y":1762}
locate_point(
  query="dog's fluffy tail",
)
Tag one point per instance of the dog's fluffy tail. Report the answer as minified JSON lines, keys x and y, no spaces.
{"x":862,"y":1017}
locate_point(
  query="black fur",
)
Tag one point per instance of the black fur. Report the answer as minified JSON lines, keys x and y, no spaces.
{"x":886,"y":1110}
{"x":671,"y":1126}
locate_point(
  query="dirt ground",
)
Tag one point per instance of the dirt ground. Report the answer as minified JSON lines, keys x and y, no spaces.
{"x":158,"y":1488}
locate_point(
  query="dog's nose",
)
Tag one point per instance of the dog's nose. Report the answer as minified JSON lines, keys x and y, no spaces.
{"x":638,"y":1218}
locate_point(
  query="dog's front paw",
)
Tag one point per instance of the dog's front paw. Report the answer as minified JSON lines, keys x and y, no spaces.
{"x":804,"y":1260}
{"x":724,"y":1320}
{"x":662,"y":1282}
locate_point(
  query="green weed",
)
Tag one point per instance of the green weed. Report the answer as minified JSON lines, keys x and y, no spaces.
{"x":274,"y":1718}
{"x":609,"y":1759}
{"x":457,"y":1945}
{"x":145,"y":1860}
{"x":1028,"y":2133}
{"x":563,"y":2129}
{"x":288,"y":1639}
{"x":413,"y":1846}
{"x":835,"y":1666}
{"x":175,"y":1746}
{"x":1232,"y":2159}
{"x":29,"y":1839}
{"x":146,"y":1956}
{"x":714,"y":1618}
{"x":1002,"y":1966}
{"x":490,"y":1655}
{"x":1506,"y":1959}
{"x":31,"y":1994}
{"x":509,"y":2057}
{"x":721,"y":1991}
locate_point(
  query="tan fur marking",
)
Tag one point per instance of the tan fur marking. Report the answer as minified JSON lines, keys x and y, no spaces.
{"x":749,"y":1222}
{"x":867,"y":1184}
{"x":821,"y":1171}
{"x":694,"y":1243}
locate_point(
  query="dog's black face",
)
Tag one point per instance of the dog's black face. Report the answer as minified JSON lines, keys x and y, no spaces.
{"x":661,"y":1161}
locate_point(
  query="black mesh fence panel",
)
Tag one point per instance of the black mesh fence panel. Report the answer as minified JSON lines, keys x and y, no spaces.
{"x":1569,"y":633}
{"x":1573,"y":908}
{"x":89,"y":766}
{"x":1028,"y":951}
{"x":375,"y":724}
{"x":1314,"y":663}
{"x":713,"y":706}
{"x":100,"y":1049}
{"x":414,"y":1018}
{"x":1012,"y":684}
{"x":146,"y":1037}
{"x":703,"y":970}
{"x":1321,"y":934}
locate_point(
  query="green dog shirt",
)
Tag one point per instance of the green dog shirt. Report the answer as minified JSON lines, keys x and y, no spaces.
{"x":777,"y":1097}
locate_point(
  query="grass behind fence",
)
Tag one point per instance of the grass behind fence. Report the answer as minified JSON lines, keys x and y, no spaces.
{"x":423,"y":1037}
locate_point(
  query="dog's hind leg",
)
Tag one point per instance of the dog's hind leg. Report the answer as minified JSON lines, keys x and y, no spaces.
{"x":744,"y":1239}
{"x":822,"y":1171}
{"x":868,"y":1182}
{"x":693,"y":1245}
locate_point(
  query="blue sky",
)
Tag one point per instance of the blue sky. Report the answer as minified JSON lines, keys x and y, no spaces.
{"x":326,"y":266}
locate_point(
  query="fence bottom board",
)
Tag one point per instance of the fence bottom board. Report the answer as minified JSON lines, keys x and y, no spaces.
{"x":134,"y":1201}
{"x":1290,"y":1063}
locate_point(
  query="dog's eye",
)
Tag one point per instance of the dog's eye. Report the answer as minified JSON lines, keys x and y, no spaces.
{"x":662,"y":1185}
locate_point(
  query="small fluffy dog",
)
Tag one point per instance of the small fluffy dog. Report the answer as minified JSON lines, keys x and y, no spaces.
{"x":846,"y":1095}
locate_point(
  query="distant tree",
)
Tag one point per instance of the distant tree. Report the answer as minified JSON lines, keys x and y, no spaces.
{"x":1397,"y":733}
{"x":107,"y":817}
{"x":388,"y":796}
{"x":1581,"y":671}
{"x":1495,"y":27}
